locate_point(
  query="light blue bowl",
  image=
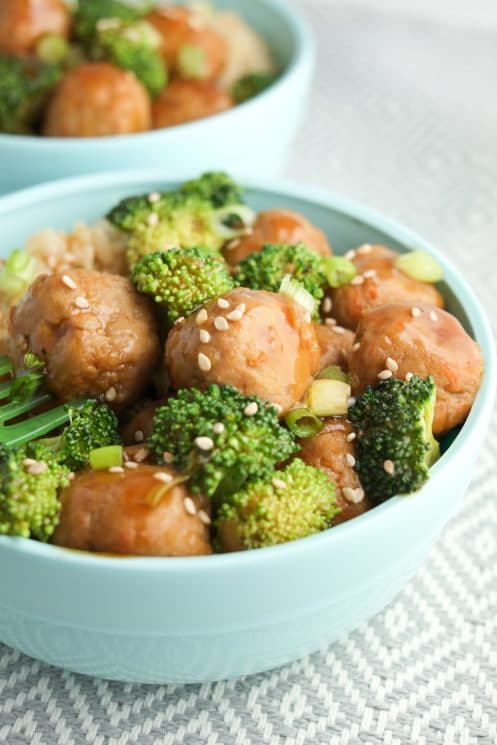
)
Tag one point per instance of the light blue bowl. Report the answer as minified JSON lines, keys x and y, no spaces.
{"x":259,"y":131}
{"x":208,"y":618}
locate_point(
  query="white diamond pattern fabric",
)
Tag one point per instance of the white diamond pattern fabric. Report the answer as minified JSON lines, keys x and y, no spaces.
{"x":403,"y":117}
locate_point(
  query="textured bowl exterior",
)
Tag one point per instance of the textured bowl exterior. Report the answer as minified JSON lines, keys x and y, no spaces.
{"x":209,"y":618}
{"x":258,"y":132}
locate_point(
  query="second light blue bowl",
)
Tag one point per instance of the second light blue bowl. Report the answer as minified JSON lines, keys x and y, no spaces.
{"x":207,"y":618}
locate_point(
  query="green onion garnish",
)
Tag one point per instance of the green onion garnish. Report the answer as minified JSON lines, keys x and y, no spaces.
{"x":328,"y":397}
{"x":334,"y":372}
{"x":297,"y":292}
{"x":192,"y":62}
{"x":338,"y":270}
{"x":303,"y":423}
{"x":420,"y":265}
{"x":108,"y":457}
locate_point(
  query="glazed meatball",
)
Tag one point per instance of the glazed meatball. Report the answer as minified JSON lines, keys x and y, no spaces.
{"x":138,"y":428}
{"x":335,"y":344}
{"x":23,"y":22}
{"x":422,"y":340}
{"x":124,"y":513}
{"x":332,"y":452}
{"x":262,"y":343}
{"x":98,"y":99}
{"x":184,"y":31}
{"x":186,"y":100}
{"x":278,"y":226}
{"x":380,"y":283}
{"x":96,"y":336}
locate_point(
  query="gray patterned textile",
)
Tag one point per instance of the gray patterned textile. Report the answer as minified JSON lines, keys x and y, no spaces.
{"x":403,"y":117}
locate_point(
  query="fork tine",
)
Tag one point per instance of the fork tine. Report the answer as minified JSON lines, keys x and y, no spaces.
{"x":13,"y":409}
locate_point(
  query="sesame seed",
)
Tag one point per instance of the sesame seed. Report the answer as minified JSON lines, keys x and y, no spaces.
{"x":387,"y":340}
{"x":29,"y":462}
{"x":356,"y":346}
{"x":69,"y":282}
{"x":189,"y":505}
{"x":338,"y":329}
{"x":351,"y":436}
{"x":222,"y":303}
{"x":141,"y":454}
{"x":433,"y":316}
{"x":353,"y":495}
{"x":391,"y":364}
{"x":71,"y":475}
{"x":241,"y":308}
{"x":167,"y":457}
{"x":204,"y":517}
{"x":278,"y":483}
{"x":81,"y":302}
{"x":131,"y":465}
{"x":278,"y":409}
{"x":350,"y":460}
{"x":369,"y":274}
{"x":221,"y":323}
{"x":204,"y":362}
{"x":415,"y":312}
{"x":111,"y":394}
{"x":235,"y":315}
{"x":307,"y":317}
{"x":327,"y":305}
{"x":204,"y":336}
{"x":409,"y":377}
{"x":233,"y":244}
{"x":153,"y":219}
{"x":358,"y":280}
{"x":116,"y":469}
{"x":384,"y":375}
{"x":201,"y":316}
{"x":365,"y":249}
{"x":166,"y":478}
{"x":139,"y":436}
{"x":330,"y":321}
{"x":179,"y":320}
{"x":351,"y":401}
{"x":154,"y":197}
{"x":389,"y":467}
{"x":218,"y":428}
{"x":204,"y":443}
{"x":37,"y":468}
{"x":251,"y":409}
{"x":350,"y":255}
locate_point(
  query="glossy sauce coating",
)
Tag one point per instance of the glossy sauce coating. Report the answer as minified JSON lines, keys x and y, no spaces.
{"x":335,"y":345}
{"x":278,"y":226}
{"x":328,"y":451}
{"x":123,"y":513}
{"x":97,"y":338}
{"x":423,"y":340}
{"x":271,"y":351}
{"x":186,"y":100}
{"x":387,"y":285}
{"x":23,"y":22}
{"x":98,"y":99}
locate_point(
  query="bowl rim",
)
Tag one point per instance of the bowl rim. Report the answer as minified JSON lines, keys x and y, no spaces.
{"x":329,"y":200}
{"x":304,"y":54}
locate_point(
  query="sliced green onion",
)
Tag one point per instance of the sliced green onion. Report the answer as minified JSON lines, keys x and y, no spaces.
{"x":192,"y":62}
{"x":234,"y":221}
{"x":338,"y":270}
{"x":303,"y":423}
{"x":17,"y":273}
{"x":297,"y":292}
{"x":334,"y":372}
{"x":420,"y":265}
{"x":328,"y":397}
{"x":108,"y":457}
{"x":52,"y":49}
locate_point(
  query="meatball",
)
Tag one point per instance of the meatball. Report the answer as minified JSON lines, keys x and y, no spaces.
{"x":186,"y":100}
{"x":23,"y":22}
{"x":94,"y":332}
{"x":332,"y":452}
{"x":185,"y":31}
{"x":278,"y":226}
{"x":98,"y":99}
{"x":138,"y":428}
{"x":125,"y":513}
{"x":422,"y":340}
{"x":263,"y":343}
{"x":378,"y":283}
{"x":335,"y":344}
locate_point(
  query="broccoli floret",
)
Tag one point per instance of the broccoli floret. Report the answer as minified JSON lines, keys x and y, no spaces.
{"x":251,"y":85}
{"x":182,"y":279}
{"x":294,"y":503}
{"x":395,"y":443}
{"x":89,"y":12}
{"x":193,"y":215}
{"x":220,"y":438}
{"x":24,"y":88}
{"x":265,"y":270}
{"x":30,"y":478}
{"x":90,"y":427}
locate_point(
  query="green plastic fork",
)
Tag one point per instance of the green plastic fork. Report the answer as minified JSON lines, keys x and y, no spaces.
{"x":33,"y":427}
